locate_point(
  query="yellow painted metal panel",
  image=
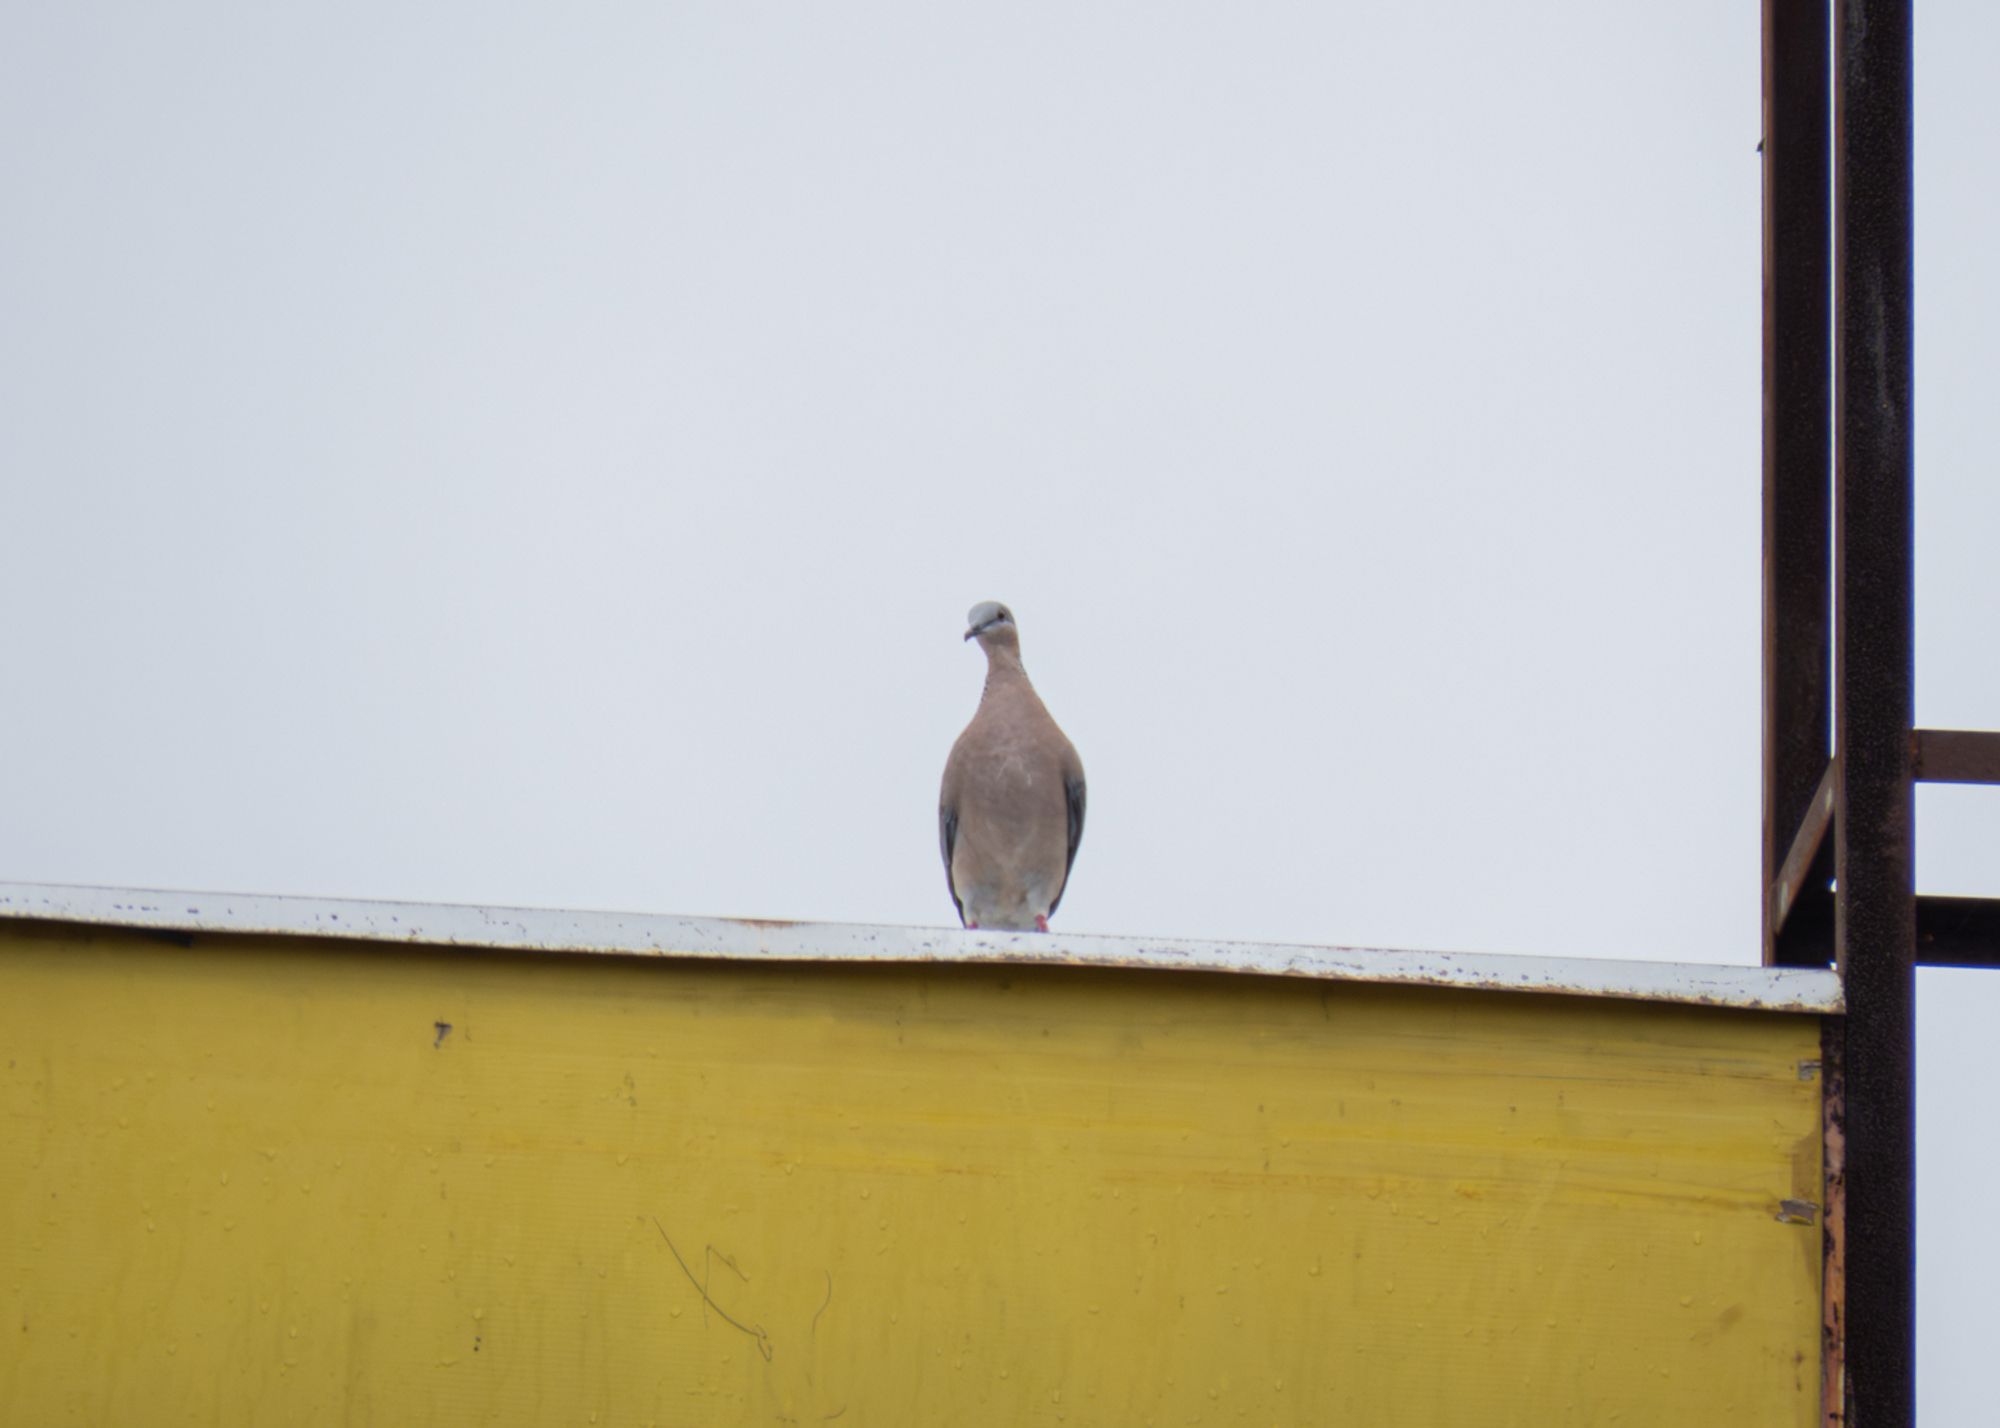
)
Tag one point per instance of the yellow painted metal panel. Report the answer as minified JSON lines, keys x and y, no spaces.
{"x":253,"y":1180}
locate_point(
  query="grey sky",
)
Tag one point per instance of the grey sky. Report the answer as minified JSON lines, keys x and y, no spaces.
{"x":545,"y":456}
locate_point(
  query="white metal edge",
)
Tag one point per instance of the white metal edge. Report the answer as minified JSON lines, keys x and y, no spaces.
{"x":1787,"y":989}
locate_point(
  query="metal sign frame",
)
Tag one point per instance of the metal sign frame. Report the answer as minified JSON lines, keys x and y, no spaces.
{"x":1841,"y":750}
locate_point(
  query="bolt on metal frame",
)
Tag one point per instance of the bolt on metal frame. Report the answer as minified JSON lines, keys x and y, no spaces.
{"x":1841,"y":750}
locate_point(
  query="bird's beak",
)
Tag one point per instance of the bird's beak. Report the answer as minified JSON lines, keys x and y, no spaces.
{"x":973,"y":631}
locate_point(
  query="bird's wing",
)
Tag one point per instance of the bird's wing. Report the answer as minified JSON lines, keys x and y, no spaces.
{"x":947,"y":838}
{"x":1073,"y":798}
{"x":948,"y":826}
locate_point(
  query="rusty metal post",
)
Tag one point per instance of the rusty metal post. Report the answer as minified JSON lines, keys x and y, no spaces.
{"x":1875,"y":919}
{"x":1798,"y":450}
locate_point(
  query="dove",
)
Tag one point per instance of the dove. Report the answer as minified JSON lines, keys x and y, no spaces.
{"x":1010,"y":811}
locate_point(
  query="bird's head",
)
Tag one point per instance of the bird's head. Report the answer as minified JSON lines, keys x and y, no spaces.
{"x":992,"y":623}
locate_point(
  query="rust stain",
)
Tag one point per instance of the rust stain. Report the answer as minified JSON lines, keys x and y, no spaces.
{"x":1833,"y":1226}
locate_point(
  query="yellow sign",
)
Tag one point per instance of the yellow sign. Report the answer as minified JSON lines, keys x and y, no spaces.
{"x":258,"y":1180}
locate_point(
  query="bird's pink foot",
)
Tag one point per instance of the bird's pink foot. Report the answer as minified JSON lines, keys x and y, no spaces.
{"x":973,"y":925}
{"x":1041,"y":923}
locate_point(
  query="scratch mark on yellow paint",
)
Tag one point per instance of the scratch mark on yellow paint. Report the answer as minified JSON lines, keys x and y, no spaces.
{"x":823,"y":1303}
{"x":709,"y":1255}
{"x":756,"y":1332}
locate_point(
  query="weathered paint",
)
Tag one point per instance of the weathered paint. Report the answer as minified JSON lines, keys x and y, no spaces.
{"x":1833,"y":1264}
{"x":652,"y":935}
{"x":293,"y":1180}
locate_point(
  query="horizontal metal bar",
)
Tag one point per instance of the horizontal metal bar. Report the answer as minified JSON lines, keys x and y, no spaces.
{"x":1787,"y":989}
{"x":1956,"y":755}
{"x":1804,"y":850}
{"x":1958,"y":932}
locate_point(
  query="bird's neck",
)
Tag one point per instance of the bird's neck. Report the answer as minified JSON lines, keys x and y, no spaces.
{"x":1003,"y":668}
